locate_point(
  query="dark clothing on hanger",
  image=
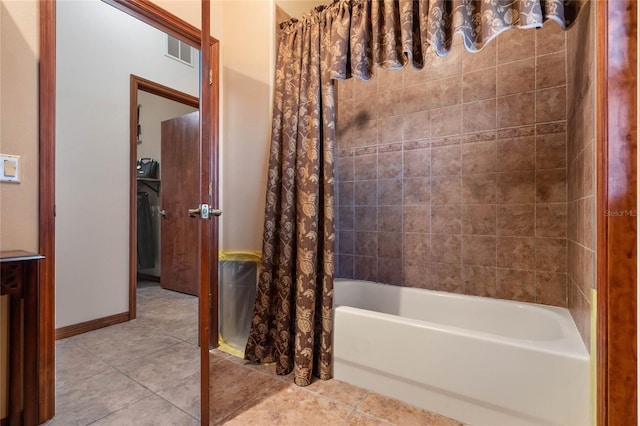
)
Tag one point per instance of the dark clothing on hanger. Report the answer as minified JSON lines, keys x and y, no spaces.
{"x":146,"y":245}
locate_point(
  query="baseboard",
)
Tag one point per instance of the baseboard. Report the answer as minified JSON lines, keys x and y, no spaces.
{"x":148,"y":277}
{"x":84,"y":327}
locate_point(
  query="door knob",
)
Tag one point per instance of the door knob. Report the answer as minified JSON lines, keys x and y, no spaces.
{"x":163,"y":213}
{"x":204,"y":210}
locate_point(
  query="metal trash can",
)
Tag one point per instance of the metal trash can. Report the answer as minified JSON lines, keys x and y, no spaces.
{"x":237,"y":283}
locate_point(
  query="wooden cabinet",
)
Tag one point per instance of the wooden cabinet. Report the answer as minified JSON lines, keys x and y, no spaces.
{"x":19,"y":281}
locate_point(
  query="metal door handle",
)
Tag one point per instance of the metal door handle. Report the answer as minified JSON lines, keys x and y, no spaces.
{"x":163,"y":213}
{"x":204,"y":211}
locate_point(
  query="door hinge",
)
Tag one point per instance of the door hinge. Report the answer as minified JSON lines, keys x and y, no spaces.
{"x":210,"y":189}
{"x":210,"y":77}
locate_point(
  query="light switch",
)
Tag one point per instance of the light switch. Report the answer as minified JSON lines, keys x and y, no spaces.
{"x":9,"y":168}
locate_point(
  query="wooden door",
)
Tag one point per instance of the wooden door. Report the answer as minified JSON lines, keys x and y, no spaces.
{"x":180,"y":191}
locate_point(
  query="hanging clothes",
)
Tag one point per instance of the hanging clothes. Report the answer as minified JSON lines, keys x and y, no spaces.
{"x":146,"y":244}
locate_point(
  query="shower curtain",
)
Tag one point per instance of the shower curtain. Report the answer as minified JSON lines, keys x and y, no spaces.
{"x":292,"y":319}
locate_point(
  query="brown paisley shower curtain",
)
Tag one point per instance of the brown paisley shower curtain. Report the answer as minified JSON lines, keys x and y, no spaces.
{"x":292,"y":320}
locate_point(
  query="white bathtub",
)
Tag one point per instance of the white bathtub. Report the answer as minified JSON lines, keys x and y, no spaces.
{"x":479,"y":360}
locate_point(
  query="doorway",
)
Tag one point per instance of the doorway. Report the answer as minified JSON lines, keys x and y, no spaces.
{"x":151,"y":104}
{"x":160,"y":19}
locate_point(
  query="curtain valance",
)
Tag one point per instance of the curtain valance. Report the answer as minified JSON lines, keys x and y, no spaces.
{"x":362,"y":34}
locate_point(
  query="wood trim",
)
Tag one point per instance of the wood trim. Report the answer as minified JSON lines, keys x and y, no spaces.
{"x":148,"y":12}
{"x":139,"y":83}
{"x":616,"y":99}
{"x":4,"y":421}
{"x":85,"y":327}
{"x":147,"y":277}
{"x":208,"y":237}
{"x":46,"y":210}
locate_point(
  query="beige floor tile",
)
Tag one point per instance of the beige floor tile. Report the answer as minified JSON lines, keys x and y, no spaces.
{"x":360,"y":419}
{"x":124,"y":342}
{"x":87,"y":400}
{"x":74,"y":363}
{"x":166,"y":367}
{"x":185,"y":395}
{"x":399,"y":413}
{"x":341,"y":392}
{"x":290,"y":406}
{"x":150,"y":411}
{"x":233,"y":386}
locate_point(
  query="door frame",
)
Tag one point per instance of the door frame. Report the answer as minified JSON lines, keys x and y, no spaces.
{"x":147,"y":12}
{"x":616,"y":185}
{"x":139,"y":83}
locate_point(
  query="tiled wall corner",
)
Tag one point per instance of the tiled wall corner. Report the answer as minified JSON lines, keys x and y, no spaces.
{"x":455,"y":177}
{"x":581,"y":143}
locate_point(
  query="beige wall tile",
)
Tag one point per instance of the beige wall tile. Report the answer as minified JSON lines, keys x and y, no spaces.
{"x":416,"y":125}
{"x":389,"y":192}
{"x":515,"y":220}
{"x":390,"y":165}
{"x":416,"y":191}
{"x":417,"y":163}
{"x":390,"y":244}
{"x":445,"y":190}
{"x":479,"y":280}
{"x":516,"y":154}
{"x":551,"y":104}
{"x":551,"y":254}
{"x":416,"y":246}
{"x":366,"y":193}
{"x":551,"y":186}
{"x":446,"y":248}
{"x":479,"y":250}
{"x":479,"y":188}
{"x":416,"y":273}
{"x":346,"y":242}
{"x":446,"y":219}
{"x":516,"y":77}
{"x":446,"y":121}
{"x":551,"y":220}
{"x":390,"y":218}
{"x":516,"y":110}
{"x":515,"y":252}
{"x":516,"y":187}
{"x":446,"y":277}
{"x":417,"y":218}
{"x":515,"y":44}
{"x":365,"y":167}
{"x":479,"y":116}
{"x":551,"y":288}
{"x":366,"y":243}
{"x":446,"y":160}
{"x":479,"y":85}
{"x":479,"y":219}
{"x":551,"y":151}
{"x":390,"y":270}
{"x":550,"y":70}
{"x":479,"y":157}
{"x":476,"y":61}
{"x":513,"y":284}
{"x":550,"y":38}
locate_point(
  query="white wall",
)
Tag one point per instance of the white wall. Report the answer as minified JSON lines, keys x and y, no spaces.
{"x":98,"y":47}
{"x":154,"y":110}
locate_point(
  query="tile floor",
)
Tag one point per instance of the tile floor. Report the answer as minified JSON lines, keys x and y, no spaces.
{"x":146,"y":372}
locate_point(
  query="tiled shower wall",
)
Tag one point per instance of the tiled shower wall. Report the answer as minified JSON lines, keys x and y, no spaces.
{"x":581,"y":230}
{"x":454,"y":177}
